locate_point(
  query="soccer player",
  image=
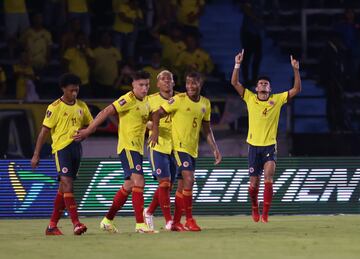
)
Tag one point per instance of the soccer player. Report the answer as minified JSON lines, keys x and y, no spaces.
{"x":133,"y":110}
{"x":162,"y":162}
{"x":190,"y":112}
{"x":264,"y":112}
{"x":64,"y":117}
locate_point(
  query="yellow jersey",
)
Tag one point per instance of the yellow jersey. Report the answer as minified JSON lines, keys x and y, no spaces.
{"x":187,"y":118}
{"x":21,"y":80}
{"x":165,"y":139}
{"x":77,"y":6}
{"x":153,"y":77}
{"x":263,"y":117}
{"x":170,"y":50}
{"x":125,"y":8}
{"x":133,"y":116}
{"x":106,"y":68}
{"x":14,"y":6}
{"x":186,"y":7}
{"x":2,"y":75}
{"x":64,"y":120}
{"x":78,"y":64}
{"x":198,"y":60}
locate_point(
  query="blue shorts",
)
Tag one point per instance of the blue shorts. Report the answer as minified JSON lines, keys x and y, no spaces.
{"x":184,"y":161}
{"x":258,"y":156}
{"x":163,"y":165}
{"x":67,"y":160}
{"x":131,"y":162}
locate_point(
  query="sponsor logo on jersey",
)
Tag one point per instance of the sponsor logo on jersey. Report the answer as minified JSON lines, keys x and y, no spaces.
{"x":48,"y":114}
{"x":138,"y":167}
{"x":186,"y":164}
{"x":122,"y":102}
{"x":251,"y":170}
{"x":65,"y":170}
{"x":158,"y":171}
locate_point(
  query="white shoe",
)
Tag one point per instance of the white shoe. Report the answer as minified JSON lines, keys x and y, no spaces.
{"x":143,"y":228}
{"x":149,"y":219}
{"x":169,"y":225}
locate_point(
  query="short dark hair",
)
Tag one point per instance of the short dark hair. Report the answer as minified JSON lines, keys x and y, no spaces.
{"x":196,"y":75}
{"x":69,"y":79}
{"x":140,"y":74}
{"x":263,"y":78}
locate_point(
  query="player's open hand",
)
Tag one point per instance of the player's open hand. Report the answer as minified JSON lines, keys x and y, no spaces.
{"x":80,"y":135}
{"x":294,"y":63}
{"x":217,"y":156}
{"x":239,"y":57}
{"x":153,"y":139}
{"x":35,"y":161}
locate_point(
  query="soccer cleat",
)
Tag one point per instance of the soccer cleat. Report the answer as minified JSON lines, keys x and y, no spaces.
{"x":149,"y":219}
{"x":178,"y":227}
{"x":79,"y":229}
{"x":264,"y":218}
{"x":168,"y":225}
{"x":53,"y":231}
{"x":191,"y":225}
{"x":255,"y":214}
{"x":108,"y":225}
{"x":143,"y":228}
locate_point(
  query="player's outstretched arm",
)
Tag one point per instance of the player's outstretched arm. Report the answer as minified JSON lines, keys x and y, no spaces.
{"x":211,"y":141}
{"x":297,"y":80}
{"x":155,"y":116}
{"x":99,"y":119}
{"x":44,"y":132}
{"x":235,"y":75}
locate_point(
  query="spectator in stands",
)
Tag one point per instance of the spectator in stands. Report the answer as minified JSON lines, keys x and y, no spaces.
{"x":25,"y":77}
{"x":78,"y":60}
{"x":107,"y":64}
{"x":54,"y":14}
{"x":2,"y":83}
{"x":68,"y":38}
{"x":127,"y":19}
{"x":123,"y":83}
{"x":154,"y":69}
{"x":172,"y":43}
{"x":251,"y":42}
{"x":193,"y":59}
{"x":188,"y":14}
{"x":349,"y":31}
{"x":79,"y":9}
{"x":165,"y":10}
{"x":37,"y":42}
{"x":16,"y":21}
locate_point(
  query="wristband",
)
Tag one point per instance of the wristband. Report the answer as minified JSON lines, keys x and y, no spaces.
{"x":237,"y":65}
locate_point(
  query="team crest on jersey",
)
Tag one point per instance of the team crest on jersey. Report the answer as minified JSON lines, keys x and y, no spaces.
{"x":186,"y":164}
{"x":171,"y":101}
{"x":272,"y":103}
{"x":64,"y":170}
{"x":80,"y":111}
{"x":203,"y":110}
{"x":158,"y":171}
{"x":138,"y":167}
{"x":251,"y":170}
{"x":48,"y":114}
{"x":122,"y":102}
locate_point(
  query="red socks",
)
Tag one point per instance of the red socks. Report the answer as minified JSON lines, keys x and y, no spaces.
{"x":71,"y":207}
{"x":179,"y":206}
{"x":268,"y":194}
{"x":164,"y":199}
{"x":59,"y":206}
{"x":154,"y":203}
{"x":253,"y":193}
{"x":138,"y":203}
{"x":187,"y":196}
{"x":118,"y":201}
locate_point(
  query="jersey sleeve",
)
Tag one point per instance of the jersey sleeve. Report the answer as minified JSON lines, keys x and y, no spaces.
{"x":88,"y":118}
{"x":50,"y":119}
{"x":171,"y":105}
{"x":283,"y":97}
{"x":247,"y":95}
{"x":207,"y":114}
{"x":124,"y":103}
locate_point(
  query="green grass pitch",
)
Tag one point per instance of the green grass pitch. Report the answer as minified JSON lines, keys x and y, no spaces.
{"x":222,"y":237}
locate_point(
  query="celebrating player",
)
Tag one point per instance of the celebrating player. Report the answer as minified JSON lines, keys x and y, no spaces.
{"x":264,"y":112}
